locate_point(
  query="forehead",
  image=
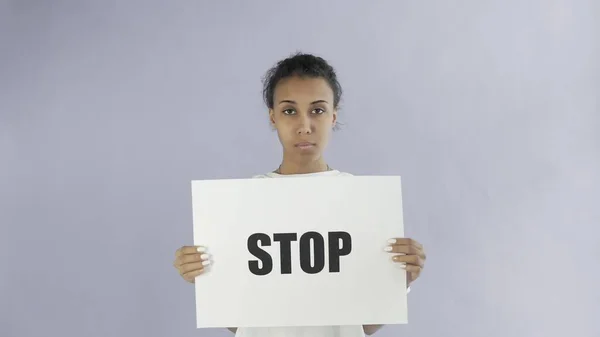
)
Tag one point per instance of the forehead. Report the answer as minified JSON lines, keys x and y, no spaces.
{"x":298,"y":87}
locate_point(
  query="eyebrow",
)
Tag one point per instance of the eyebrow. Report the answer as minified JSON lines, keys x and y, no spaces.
{"x":294,"y":102}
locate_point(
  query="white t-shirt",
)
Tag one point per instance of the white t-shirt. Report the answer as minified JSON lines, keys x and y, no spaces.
{"x":308,"y":331}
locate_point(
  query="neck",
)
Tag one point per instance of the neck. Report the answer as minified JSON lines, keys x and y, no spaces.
{"x":291,"y":166}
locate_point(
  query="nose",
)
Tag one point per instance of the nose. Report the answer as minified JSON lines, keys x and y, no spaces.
{"x":304,"y":126}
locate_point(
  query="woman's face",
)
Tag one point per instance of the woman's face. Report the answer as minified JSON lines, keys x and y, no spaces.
{"x":304,"y":115}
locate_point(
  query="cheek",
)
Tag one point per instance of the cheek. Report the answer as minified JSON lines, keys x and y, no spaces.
{"x":284,"y":131}
{"x":326,"y":125}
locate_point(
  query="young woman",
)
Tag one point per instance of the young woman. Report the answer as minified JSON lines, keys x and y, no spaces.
{"x":302,"y":93}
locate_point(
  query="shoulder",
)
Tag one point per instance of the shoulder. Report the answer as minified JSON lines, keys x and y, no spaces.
{"x":332,"y":173}
{"x":266,"y":175}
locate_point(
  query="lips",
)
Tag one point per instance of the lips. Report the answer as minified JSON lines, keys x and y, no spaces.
{"x":305,"y":145}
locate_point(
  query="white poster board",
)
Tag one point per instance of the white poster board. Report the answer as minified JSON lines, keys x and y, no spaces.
{"x":362,"y":286}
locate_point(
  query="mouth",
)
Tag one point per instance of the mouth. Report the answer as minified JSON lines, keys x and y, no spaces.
{"x":305,"y":145}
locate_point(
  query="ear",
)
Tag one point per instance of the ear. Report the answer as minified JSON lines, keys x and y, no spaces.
{"x":334,"y":122}
{"x":272,"y":117}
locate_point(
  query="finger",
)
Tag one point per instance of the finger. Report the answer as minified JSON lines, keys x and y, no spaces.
{"x":413,"y":270}
{"x":413,"y":275}
{"x":189,"y":250}
{"x":409,"y":259}
{"x":191,"y":276}
{"x":194,"y":258}
{"x":403,"y":249}
{"x":406,"y":242}
{"x":189,"y":267}
{"x":190,"y":258}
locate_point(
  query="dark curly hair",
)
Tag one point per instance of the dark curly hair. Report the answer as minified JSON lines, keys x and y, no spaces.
{"x":303,"y":65}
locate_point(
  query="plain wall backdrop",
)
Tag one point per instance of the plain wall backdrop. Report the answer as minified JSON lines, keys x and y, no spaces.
{"x":488,"y":110}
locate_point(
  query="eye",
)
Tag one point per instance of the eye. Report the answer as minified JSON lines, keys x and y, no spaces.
{"x":318,"y":111}
{"x":288,"y":111}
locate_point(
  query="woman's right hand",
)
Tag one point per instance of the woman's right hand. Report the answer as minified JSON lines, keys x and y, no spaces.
{"x":191,"y":261}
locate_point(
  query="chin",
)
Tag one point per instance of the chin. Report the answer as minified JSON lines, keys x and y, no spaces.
{"x":305,"y":153}
{"x":309,"y":155}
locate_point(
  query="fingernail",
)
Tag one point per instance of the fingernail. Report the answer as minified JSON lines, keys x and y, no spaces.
{"x":388,"y":249}
{"x":204,"y":256}
{"x":201,"y":249}
{"x":392,"y":241}
{"x":206,"y":263}
{"x":402,"y":265}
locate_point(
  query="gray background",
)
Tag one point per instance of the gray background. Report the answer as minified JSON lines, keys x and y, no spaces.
{"x":489,"y":111}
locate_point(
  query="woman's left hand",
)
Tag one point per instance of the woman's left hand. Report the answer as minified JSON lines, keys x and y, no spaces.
{"x":410,"y":253}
